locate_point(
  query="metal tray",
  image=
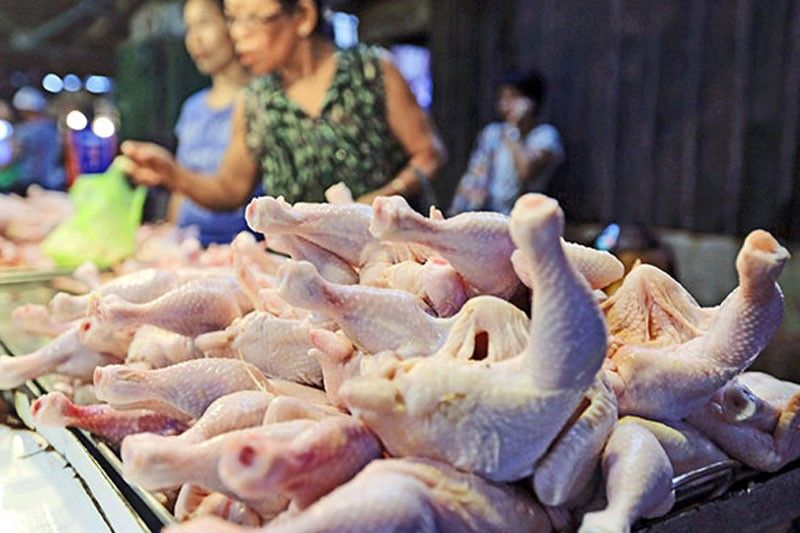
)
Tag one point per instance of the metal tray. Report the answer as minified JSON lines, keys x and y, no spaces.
{"x":127,"y":507}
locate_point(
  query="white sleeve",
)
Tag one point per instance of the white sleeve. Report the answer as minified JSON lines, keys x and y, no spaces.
{"x":545,"y":137}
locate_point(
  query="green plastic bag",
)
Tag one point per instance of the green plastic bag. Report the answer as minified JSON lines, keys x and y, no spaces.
{"x":107,"y":212}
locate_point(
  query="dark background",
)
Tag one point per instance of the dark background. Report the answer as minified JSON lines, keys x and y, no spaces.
{"x":675,"y":113}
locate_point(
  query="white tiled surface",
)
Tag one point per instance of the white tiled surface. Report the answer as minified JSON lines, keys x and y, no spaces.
{"x":39,"y":491}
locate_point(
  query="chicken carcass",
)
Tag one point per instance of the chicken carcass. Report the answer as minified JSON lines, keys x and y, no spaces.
{"x":506,"y":413}
{"x":238,"y":410}
{"x":331,"y":266}
{"x":667,"y":382}
{"x":688,"y":449}
{"x":566,"y":471}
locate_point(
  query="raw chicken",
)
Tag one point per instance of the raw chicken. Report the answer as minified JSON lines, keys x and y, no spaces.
{"x":476,"y":244}
{"x":88,"y":274}
{"x":341,"y":229}
{"x":417,"y":495}
{"x":183,"y":391}
{"x":651,"y":308}
{"x":638,"y":481}
{"x":756,"y":419}
{"x":153,"y":347}
{"x":138,"y":287}
{"x":339,"y":193}
{"x":670,"y":381}
{"x":332,"y":267}
{"x":278,"y":347}
{"x":64,"y":355}
{"x":479,"y":247}
{"x":191,"y":309}
{"x":307,"y":467}
{"x":567,"y":469}
{"x":55,"y":410}
{"x":36,"y":320}
{"x":195,"y":502}
{"x":376,"y":320}
{"x":600,"y":268}
{"x":688,"y":449}
{"x":507,"y":413}
{"x":149,"y":462}
{"x":442,"y":287}
{"x":238,"y":410}
{"x":106,"y":336}
{"x":486,"y":328}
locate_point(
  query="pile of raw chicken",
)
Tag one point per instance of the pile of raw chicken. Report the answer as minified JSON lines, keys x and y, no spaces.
{"x":25,"y":222}
{"x":380,"y":379}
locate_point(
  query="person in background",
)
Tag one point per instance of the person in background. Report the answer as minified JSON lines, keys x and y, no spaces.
{"x":514,"y":156}
{"x":36,"y":144}
{"x":8,"y":170}
{"x":315,"y":116}
{"x":203,"y":129}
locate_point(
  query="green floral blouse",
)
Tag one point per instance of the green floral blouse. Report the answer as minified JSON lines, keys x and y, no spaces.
{"x":301,"y":156}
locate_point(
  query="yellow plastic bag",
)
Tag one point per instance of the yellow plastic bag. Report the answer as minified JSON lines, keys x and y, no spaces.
{"x":103,"y":229}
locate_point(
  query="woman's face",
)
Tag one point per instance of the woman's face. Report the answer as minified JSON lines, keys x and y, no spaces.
{"x":207,"y":39}
{"x":265,"y":35}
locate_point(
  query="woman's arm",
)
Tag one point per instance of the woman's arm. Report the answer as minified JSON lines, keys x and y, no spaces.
{"x":415,"y":132}
{"x":230,"y":188}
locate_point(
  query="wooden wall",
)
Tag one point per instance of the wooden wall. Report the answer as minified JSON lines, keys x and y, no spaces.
{"x":676,"y":113}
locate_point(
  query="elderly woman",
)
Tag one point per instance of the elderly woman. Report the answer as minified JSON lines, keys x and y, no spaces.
{"x":316,"y":116}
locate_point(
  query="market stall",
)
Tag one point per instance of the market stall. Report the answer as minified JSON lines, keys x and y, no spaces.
{"x":243,"y":374}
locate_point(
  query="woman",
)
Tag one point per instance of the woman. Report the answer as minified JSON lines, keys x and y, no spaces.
{"x":204,"y":125}
{"x":317,"y":116}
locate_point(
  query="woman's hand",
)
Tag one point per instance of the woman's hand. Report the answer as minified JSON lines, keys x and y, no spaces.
{"x":150,"y":164}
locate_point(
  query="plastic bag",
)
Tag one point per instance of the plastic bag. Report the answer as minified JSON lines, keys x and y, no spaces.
{"x":107,"y":212}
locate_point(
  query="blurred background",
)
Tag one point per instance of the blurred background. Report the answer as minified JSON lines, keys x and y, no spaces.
{"x":679,"y":118}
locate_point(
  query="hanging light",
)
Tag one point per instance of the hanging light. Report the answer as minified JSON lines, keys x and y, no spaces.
{"x":6,"y":129}
{"x":98,"y":84}
{"x":52,"y":83}
{"x":76,"y":120}
{"x":72,"y":83}
{"x":103,"y":127}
